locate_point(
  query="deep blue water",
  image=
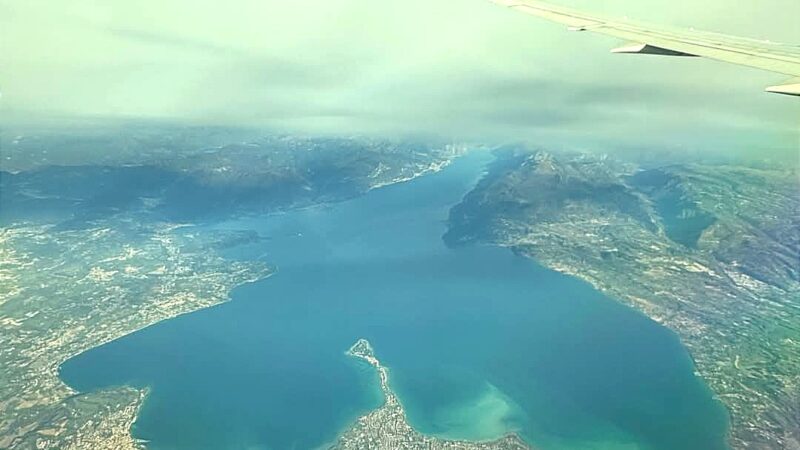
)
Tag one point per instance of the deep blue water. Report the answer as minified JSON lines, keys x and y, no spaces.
{"x":479,"y":342}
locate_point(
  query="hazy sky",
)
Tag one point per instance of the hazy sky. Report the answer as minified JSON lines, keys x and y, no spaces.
{"x":466,"y":69}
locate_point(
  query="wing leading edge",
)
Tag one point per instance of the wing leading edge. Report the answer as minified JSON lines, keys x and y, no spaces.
{"x":644,"y":38}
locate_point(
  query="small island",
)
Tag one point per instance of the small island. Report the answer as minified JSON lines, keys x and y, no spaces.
{"x":387,"y":427}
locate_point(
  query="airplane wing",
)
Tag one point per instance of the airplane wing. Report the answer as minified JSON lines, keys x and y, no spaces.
{"x":644,"y":38}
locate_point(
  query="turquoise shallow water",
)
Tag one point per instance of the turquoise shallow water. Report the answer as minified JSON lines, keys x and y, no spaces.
{"x":479,"y":342}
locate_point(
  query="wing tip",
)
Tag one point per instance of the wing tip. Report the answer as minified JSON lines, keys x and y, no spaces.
{"x":789,"y":87}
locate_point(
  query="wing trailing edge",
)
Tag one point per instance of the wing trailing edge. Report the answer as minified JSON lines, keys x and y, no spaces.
{"x":648,"y":39}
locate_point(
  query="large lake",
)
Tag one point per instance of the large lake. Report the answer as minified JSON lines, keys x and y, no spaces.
{"x":479,"y":342}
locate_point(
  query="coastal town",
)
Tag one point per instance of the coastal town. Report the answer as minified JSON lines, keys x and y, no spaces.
{"x":387,"y":427}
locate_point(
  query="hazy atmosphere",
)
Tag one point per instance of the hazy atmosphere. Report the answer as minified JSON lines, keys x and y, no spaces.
{"x":417,"y":224}
{"x":460,"y":69}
